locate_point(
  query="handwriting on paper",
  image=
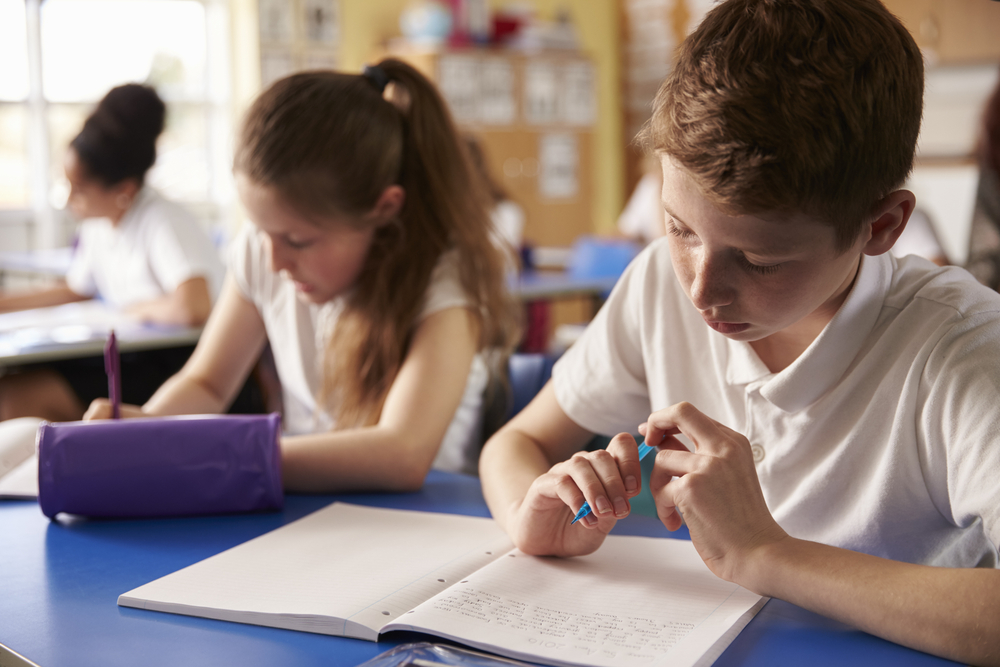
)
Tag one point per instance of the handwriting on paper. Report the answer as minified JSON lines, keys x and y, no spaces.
{"x":610,"y":634}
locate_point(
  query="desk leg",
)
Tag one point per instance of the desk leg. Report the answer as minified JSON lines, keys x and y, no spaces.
{"x":537,"y":316}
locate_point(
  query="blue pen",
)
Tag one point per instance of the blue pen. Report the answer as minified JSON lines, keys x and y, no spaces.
{"x":585,"y":507}
{"x":112,"y":366}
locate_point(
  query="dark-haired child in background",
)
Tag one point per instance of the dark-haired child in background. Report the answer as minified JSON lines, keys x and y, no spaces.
{"x":137,"y":251}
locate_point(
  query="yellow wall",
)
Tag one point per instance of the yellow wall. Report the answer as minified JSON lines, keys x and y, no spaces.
{"x":365,"y":25}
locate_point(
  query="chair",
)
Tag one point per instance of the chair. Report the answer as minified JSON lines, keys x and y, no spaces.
{"x":592,"y":257}
{"x":600,"y":257}
{"x":527,"y":374}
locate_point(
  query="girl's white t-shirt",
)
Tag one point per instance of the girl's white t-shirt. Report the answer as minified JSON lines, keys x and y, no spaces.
{"x":156,"y":246}
{"x":298,"y":331}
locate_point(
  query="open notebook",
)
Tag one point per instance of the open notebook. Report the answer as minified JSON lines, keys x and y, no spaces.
{"x":361,"y":571}
{"x":18,"y":463}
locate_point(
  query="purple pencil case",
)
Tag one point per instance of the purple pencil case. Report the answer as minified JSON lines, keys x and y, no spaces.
{"x":160,"y":466}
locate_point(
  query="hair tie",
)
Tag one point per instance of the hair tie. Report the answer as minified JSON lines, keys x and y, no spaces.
{"x":376,"y":76}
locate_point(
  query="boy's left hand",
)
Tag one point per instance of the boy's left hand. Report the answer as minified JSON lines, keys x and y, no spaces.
{"x":714,"y":487}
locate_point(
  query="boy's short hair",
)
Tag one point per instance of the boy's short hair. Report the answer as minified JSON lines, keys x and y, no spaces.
{"x":794,"y":106}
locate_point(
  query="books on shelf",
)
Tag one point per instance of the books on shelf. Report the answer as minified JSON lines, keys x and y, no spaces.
{"x":360,"y":572}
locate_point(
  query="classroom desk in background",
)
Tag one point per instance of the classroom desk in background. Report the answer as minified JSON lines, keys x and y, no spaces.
{"x":52,"y":262}
{"x":539,"y":289}
{"x":59,"y":583}
{"x":77,"y":330}
{"x":542,"y":285}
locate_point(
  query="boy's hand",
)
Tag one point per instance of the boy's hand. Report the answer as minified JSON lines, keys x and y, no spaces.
{"x":100,"y":408}
{"x":605,"y":478}
{"x":715,"y":488}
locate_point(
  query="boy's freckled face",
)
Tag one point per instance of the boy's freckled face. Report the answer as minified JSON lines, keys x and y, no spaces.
{"x":323,"y":261}
{"x":749,"y":276}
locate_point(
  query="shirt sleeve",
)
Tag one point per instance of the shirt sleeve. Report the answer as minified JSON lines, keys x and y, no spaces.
{"x":445,"y":287}
{"x":181,"y":250}
{"x":960,"y":425}
{"x":600,"y":382}
{"x":246,"y":263}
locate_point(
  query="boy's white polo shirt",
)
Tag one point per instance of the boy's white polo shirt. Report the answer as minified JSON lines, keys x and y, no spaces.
{"x":883,"y":437}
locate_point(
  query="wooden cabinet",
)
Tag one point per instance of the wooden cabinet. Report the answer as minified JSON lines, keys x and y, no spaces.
{"x":534,"y":116}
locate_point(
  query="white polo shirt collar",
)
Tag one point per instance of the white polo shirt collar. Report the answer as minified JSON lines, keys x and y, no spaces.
{"x":828,"y":357}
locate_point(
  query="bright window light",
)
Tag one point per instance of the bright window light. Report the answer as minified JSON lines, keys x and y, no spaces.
{"x":84,"y":43}
{"x":13,"y":157}
{"x":13,"y":52}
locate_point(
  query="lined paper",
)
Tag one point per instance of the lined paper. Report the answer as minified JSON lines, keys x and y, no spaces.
{"x":21,"y":482}
{"x":18,"y":464}
{"x":358,"y":571}
{"x":343,"y":570}
{"x":636,"y":601}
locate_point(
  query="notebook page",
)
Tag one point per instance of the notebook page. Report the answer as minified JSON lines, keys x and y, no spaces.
{"x":636,"y":601}
{"x":17,"y":442}
{"x":22,"y":481}
{"x":343,"y":570}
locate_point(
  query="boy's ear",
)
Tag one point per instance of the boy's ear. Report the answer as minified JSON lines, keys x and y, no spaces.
{"x":389,"y":204}
{"x":889,"y":220}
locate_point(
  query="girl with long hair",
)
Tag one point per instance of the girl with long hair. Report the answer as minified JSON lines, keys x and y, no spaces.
{"x":370,"y":269}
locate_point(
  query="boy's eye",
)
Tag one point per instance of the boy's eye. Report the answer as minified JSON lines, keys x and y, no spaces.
{"x":762,"y":269}
{"x":674,"y":230}
{"x":297,"y":244}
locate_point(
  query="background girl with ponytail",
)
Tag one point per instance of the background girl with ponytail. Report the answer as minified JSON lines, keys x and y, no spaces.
{"x":369,"y":268}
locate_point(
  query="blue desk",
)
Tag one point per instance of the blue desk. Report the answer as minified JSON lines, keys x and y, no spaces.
{"x":59,"y":583}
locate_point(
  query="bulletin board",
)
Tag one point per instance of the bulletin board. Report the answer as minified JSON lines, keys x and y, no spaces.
{"x":534,"y":116}
{"x":297,"y":35}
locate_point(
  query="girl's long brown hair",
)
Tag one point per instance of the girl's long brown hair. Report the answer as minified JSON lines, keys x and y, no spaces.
{"x":330,"y":143}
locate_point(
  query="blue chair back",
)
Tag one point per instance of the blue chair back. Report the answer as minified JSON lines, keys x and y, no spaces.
{"x":528,"y":373}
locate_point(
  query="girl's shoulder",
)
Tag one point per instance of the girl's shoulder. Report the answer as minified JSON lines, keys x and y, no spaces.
{"x":153,"y":214}
{"x":445,"y":290}
{"x":246,"y":261}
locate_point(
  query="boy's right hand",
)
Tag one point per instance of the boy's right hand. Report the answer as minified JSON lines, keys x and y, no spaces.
{"x":100,"y":408}
{"x":605,"y":478}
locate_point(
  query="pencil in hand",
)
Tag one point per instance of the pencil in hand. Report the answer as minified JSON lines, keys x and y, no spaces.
{"x":112,"y":366}
{"x":585,"y":507}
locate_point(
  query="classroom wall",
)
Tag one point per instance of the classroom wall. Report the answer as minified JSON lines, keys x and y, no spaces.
{"x":365,"y":25}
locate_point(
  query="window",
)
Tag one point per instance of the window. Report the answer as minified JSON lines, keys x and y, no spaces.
{"x":13,"y":117}
{"x":61,"y":56}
